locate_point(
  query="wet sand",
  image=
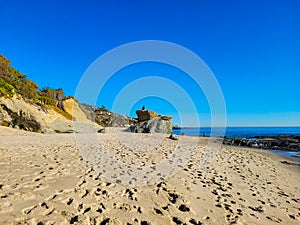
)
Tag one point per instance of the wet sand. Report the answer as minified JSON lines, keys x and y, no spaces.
{"x":44,"y":179}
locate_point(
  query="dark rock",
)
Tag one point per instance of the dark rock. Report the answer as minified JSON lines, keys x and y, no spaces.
{"x":176,"y":127}
{"x":281,"y":142}
{"x":173,"y":137}
{"x":101,"y":130}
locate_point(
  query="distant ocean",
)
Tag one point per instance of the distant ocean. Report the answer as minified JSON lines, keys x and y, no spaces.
{"x":239,"y":132}
{"x":245,"y":132}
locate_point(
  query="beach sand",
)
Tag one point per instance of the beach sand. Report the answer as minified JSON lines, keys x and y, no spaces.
{"x":44,"y":179}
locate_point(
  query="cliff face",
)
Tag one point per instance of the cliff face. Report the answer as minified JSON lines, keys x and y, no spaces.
{"x":72,"y":107}
{"x":18,"y":112}
{"x":105,"y":117}
{"x":21,"y":113}
{"x":24,"y":106}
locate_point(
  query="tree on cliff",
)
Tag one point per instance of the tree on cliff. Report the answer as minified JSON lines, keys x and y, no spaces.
{"x":53,"y":97}
{"x":13,"y":82}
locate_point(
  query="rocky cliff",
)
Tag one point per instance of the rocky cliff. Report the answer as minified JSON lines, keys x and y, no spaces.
{"x":18,"y":112}
{"x":25,"y":106}
{"x":104,"y":117}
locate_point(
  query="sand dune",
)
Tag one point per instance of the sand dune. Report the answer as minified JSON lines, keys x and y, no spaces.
{"x":45,"y":179}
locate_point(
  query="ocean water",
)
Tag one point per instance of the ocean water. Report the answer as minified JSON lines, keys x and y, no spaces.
{"x":238,"y":132}
{"x":245,"y":132}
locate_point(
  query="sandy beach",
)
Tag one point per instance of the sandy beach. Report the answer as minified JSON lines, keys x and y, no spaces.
{"x":44,"y":179}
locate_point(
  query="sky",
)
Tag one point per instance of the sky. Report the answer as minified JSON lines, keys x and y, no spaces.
{"x":251,"y":47}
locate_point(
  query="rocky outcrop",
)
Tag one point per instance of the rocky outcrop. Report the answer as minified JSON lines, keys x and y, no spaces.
{"x":151,"y":122}
{"x":72,"y":107}
{"x":18,"y":112}
{"x":19,"y":119}
{"x":23,"y":106}
{"x":104,"y":117}
{"x":144,"y":115}
{"x":155,"y":125}
{"x":88,"y":110}
{"x":281,"y":142}
{"x":79,"y":124}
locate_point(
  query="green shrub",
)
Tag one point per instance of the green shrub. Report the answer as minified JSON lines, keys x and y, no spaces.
{"x":13,"y":82}
{"x":6,"y":88}
{"x":27,"y":88}
{"x":46,"y":100}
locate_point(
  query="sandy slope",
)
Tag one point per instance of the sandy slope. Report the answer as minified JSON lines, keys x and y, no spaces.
{"x":45,"y":180}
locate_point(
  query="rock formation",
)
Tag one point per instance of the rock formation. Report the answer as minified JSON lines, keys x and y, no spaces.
{"x":104,"y":117}
{"x":144,"y":115}
{"x":281,"y":142}
{"x":21,"y":113}
{"x":151,"y":122}
{"x":23,"y":105}
{"x":17,"y":113}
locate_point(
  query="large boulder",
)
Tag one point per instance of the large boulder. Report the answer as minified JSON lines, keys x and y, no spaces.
{"x":155,"y":125}
{"x":144,"y":115}
{"x":151,"y":122}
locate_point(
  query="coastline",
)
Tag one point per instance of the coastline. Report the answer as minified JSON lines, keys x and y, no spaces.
{"x":45,"y":180}
{"x":284,"y":141}
{"x":241,"y":132}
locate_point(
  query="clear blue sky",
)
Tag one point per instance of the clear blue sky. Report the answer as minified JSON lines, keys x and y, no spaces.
{"x":252,"y":47}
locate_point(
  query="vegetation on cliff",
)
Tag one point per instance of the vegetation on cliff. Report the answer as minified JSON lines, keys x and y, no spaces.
{"x":13,"y":82}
